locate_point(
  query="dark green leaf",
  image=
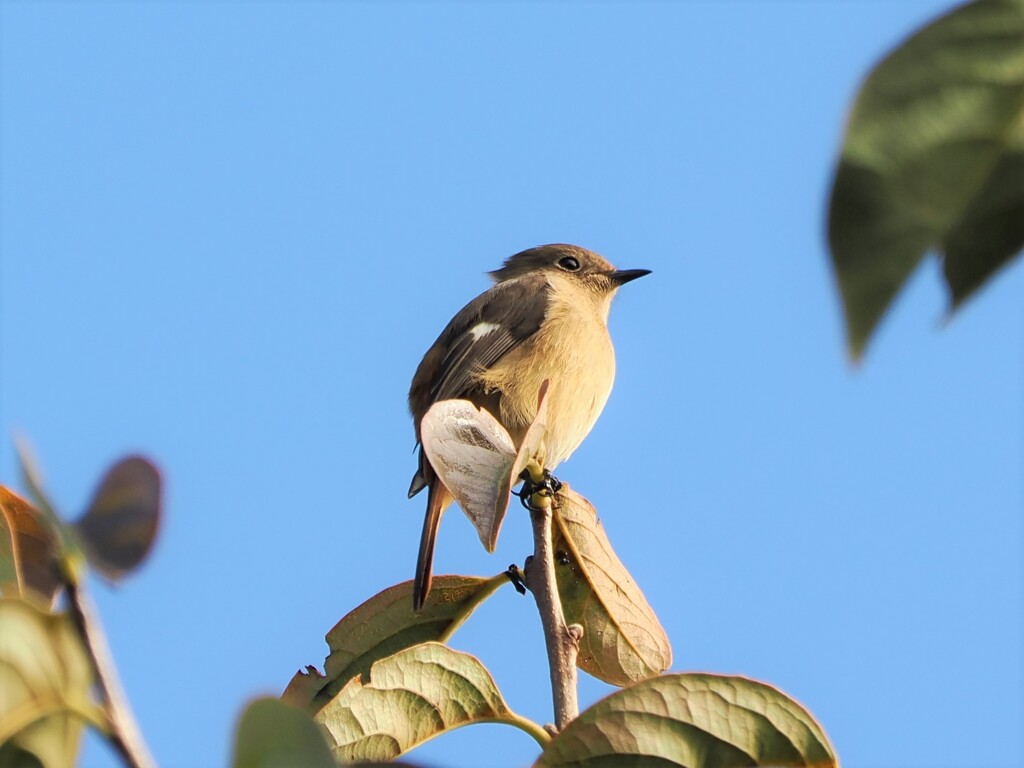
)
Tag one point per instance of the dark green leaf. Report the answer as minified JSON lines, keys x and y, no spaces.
{"x":933,"y":158}
{"x":13,"y":756}
{"x":273,"y":734}
{"x":991,"y":231}
{"x":120,"y":525}
{"x":692,"y":720}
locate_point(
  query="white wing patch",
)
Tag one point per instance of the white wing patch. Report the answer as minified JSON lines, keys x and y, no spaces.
{"x":480,"y":330}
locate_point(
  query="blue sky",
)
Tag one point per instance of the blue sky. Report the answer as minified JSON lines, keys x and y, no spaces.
{"x":229,"y":231}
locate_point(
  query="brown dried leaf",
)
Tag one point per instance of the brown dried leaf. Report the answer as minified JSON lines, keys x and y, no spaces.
{"x":473,"y":455}
{"x":623,"y":642}
{"x":28,"y":551}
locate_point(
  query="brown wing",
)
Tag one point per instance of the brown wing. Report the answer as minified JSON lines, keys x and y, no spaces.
{"x":483,"y":331}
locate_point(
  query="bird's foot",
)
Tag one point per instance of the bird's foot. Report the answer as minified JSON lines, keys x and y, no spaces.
{"x":548,"y":486}
{"x":551,"y":484}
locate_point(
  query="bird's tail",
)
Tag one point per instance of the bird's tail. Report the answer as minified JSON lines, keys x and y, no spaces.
{"x":438,"y":500}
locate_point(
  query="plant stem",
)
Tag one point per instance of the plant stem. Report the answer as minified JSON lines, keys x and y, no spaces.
{"x":124,"y":734}
{"x":563,"y":642}
{"x":542,"y":737}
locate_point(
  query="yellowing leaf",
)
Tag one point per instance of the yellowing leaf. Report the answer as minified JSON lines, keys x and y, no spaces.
{"x":623,"y":641}
{"x":385,"y":624}
{"x":45,"y":679}
{"x":691,"y":720}
{"x":411,"y":697}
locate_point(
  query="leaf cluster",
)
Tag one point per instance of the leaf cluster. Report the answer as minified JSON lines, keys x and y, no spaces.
{"x":54,"y":672}
{"x":391,"y":681}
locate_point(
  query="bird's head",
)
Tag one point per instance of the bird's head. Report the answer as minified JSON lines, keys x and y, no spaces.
{"x":568,"y":261}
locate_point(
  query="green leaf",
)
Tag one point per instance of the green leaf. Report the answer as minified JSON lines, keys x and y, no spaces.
{"x":692,"y":720}
{"x":273,"y":734}
{"x":45,"y":677}
{"x":28,"y":550}
{"x":118,"y":528}
{"x":623,"y":641}
{"x":385,"y":624}
{"x":412,"y":696}
{"x":933,"y":158}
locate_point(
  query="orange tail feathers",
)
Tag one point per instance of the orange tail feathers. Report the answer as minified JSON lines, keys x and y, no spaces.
{"x":438,"y":500}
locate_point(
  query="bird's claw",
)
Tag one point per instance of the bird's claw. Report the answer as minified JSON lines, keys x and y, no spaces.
{"x":549,"y":486}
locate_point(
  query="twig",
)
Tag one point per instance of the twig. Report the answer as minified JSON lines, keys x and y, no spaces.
{"x":124,"y":734}
{"x":563,"y":642}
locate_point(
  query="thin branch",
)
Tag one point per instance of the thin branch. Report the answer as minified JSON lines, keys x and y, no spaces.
{"x":563,"y":642}
{"x":124,"y":734}
{"x":542,"y":737}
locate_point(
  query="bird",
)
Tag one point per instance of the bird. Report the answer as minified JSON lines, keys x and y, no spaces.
{"x":545,"y":318}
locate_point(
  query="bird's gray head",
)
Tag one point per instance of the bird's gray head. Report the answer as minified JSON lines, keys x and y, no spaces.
{"x":567,"y":260}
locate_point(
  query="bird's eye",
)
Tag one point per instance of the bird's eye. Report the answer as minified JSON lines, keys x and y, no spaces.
{"x":569,"y":263}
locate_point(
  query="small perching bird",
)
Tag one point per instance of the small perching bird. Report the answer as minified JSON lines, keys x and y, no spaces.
{"x":546,"y":318}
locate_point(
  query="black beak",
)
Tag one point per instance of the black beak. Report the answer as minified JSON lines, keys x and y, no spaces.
{"x":623,"y":276}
